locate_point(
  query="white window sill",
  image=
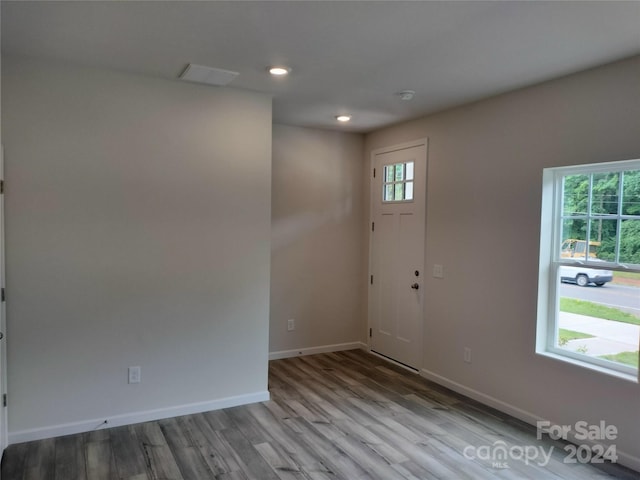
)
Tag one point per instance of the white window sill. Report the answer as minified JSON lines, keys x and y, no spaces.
{"x":629,"y":377}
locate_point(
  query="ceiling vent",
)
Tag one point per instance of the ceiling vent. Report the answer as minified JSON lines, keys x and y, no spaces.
{"x":208,"y":75}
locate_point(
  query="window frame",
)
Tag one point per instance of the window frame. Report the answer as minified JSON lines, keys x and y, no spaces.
{"x":550,"y":262}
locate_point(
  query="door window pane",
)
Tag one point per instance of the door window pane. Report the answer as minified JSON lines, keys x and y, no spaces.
{"x":398,"y":182}
{"x":408,"y":191}
{"x":388,"y":173}
{"x":399,"y":191}
{"x":399,"y":172}
{"x":409,"y":166}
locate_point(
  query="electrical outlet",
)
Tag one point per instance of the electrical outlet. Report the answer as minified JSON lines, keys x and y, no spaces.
{"x":438,"y":271}
{"x":291,"y":324}
{"x":467,"y":355}
{"x":134,"y":374}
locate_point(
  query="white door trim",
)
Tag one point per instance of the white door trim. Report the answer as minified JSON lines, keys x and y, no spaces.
{"x":372,"y":158}
{"x":4,"y":436}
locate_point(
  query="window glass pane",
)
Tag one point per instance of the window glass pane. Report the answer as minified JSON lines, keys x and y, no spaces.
{"x":398,"y":191}
{"x":388,"y":193}
{"x":604,"y":193}
{"x":630,"y":243}
{"x":575,"y":195}
{"x":408,"y":192}
{"x":590,"y":324}
{"x":604,"y":234}
{"x":574,"y":239}
{"x":631,"y":193}
{"x":388,"y":173}
{"x":398,"y":182}
{"x":399,"y":172}
{"x":409,"y":169}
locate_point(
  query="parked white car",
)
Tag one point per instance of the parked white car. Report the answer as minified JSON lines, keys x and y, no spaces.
{"x":583,"y":276}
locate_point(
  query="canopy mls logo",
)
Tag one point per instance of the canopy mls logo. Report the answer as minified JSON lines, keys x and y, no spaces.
{"x":500,"y":453}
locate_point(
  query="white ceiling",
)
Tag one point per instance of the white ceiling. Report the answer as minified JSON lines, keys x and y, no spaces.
{"x":347,"y":57}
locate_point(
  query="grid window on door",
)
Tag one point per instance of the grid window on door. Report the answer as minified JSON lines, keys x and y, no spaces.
{"x":397,"y":185}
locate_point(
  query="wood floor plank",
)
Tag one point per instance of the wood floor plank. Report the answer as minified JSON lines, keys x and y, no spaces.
{"x":367,"y":437}
{"x":159,"y":459}
{"x":253,"y":465}
{"x":13,"y":461}
{"x":69,"y":458}
{"x":420,"y":454}
{"x":128,"y":453}
{"x":374,"y":465}
{"x":187,"y":455}
{"x":248,"y":426}
{"x":281,"y":439}
{"x":40,"y":461}
{"x":412,"y":471}
{"x":333,"y":406}
{"x":100,"y":461}
{"x":282,"y":466}
{"x":214,"y":451}
{"x":333,"y":459}
{"x":218,"y":419}
{"x":338,"y":416}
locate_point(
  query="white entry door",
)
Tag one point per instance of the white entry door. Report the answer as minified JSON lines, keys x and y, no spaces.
{"x":396,"y":290}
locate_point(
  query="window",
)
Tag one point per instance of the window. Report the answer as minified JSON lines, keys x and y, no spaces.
{"x":397,"y":185}
{"x":589,"y":277}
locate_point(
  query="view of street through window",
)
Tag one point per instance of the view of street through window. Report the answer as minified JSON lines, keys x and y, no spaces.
{"x":602,"y":321}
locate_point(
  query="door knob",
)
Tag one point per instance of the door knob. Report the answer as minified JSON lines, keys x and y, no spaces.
{"x":415,"y":286}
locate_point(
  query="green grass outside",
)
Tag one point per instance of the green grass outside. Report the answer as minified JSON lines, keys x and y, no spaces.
{"x":626,"y":278}
{"x":633,"y":276}
{"x":565,"y":335}
{"x":627,"y":358}
{"x":581,"y":307}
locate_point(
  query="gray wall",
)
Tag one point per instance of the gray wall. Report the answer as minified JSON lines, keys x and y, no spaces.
{"x":483,"y":225}
{"x":138,"y":233}
{"x":317,"y":272}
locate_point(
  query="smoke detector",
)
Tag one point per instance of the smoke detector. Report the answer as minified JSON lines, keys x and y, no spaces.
{"x":406,"y":95}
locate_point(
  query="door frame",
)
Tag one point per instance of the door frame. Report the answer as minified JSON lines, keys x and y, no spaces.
{"x":372,"y":160}
{"x":4,"y":427}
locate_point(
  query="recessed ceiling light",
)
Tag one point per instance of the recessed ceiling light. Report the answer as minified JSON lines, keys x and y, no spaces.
{"x":343,"y":118}
{"x":279,"y":70}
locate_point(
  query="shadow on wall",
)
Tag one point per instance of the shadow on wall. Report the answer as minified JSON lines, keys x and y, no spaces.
{"x":287,"y":230}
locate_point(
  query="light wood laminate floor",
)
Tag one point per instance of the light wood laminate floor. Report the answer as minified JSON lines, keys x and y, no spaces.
{"x":347,"y":415}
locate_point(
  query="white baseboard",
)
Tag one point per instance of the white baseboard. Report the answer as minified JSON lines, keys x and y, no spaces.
{"x":313,"y":350}
{"x":135,"y":417}
{"x":626,"y":459}
{"x":507,"y":408}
